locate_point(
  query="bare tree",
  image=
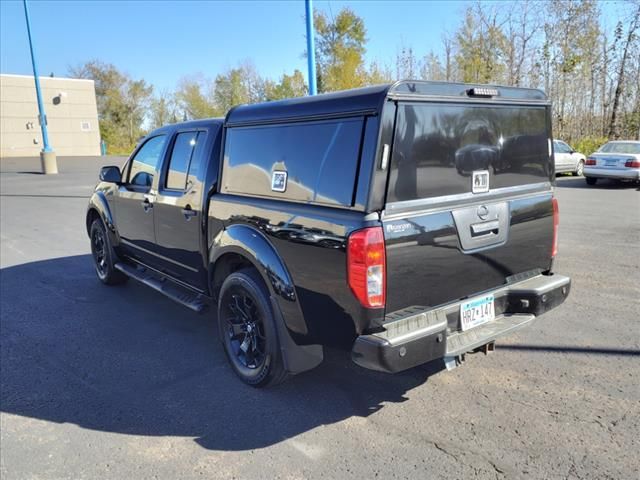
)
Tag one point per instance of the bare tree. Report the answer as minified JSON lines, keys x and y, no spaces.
{"x":447,"y":43}
{"x":523,"y":24}
{"x":614,"y":124}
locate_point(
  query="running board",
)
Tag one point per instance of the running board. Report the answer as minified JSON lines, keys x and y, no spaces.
{"x":191,"y":300}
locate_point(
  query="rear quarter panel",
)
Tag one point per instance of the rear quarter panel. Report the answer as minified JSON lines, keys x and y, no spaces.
{"x":310,"y":240}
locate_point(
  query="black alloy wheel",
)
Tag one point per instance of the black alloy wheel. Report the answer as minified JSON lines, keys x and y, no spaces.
{"x":248,"y":330}
{"x":245,"y":329}
{"x":103,"y":256}
{"x":99,"y":251}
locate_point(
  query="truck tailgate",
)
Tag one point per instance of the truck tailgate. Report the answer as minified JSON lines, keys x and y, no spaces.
{"x":448,"y":235}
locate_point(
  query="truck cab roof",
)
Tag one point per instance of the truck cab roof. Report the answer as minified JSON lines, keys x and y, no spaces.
{"x":191,"y":124}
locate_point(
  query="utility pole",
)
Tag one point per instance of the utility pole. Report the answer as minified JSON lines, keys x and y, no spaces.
{"x":311,"y":49}
{"x":47,"y":155}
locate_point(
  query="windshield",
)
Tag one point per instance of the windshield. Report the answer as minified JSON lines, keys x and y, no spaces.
{"x":621,"y":147}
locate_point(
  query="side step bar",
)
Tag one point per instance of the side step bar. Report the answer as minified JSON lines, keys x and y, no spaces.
{"x":191,"y":300}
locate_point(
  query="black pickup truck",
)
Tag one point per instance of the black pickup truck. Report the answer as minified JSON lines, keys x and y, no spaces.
{"x":409,"y":223}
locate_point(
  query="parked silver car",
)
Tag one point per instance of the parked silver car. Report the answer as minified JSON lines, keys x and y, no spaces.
{"x":567,"y":160}
{"x":619,"y":160}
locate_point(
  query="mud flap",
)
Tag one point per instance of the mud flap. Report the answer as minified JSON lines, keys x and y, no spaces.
{"x":296,"y":358}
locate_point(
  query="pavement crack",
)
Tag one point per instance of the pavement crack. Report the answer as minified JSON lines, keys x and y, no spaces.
{"x":498,"y":470}
{"x":495,"y":467}
{"x":444,"y":450}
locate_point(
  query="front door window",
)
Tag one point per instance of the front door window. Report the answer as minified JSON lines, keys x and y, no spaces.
{"x":144,"y":163}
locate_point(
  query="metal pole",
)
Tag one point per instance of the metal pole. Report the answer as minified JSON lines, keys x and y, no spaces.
{"x":311,"y":50}
{"x":47,"y":156}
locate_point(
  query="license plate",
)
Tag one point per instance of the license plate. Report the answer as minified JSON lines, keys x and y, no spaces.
{"x":477,"y":311}
{"x":611,"y":163}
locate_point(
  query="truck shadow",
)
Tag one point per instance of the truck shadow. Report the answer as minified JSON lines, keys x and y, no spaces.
{"x":126,"y":360}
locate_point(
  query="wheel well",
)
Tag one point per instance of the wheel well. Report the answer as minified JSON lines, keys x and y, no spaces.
{"x":225,"y":266}
{"x":91,"y":216}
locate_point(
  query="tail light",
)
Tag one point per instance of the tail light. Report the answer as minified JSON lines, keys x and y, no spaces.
{"x":632,"y":164}
{"x":590,"y":161}
{"x":366,"y":266}
{"x":556,"y":222}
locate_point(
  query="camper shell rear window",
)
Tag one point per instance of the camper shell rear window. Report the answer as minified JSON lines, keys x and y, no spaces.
{"x":438,"y":146}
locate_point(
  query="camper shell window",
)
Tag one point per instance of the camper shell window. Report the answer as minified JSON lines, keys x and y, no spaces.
{"x":311,"y":161}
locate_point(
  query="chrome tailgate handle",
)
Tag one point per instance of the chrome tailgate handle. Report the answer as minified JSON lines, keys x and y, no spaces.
{"x":485,"y":228}
{"x":482,"y":226}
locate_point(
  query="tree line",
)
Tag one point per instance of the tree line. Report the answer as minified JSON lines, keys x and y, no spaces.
{"x":591,"y":73}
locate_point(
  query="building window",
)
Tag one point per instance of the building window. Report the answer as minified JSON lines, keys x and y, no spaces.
{"x":85,"y":126}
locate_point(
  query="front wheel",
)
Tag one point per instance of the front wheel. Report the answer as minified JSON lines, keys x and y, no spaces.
{"x":591,"y":180}
{"x":579,"y":169}
{"x":103,"y":256}
{"x":248,"y":330}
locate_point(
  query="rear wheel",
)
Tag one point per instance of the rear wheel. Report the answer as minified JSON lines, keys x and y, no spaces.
{"x":103,"y":256}
{"x":248,"y":330}
{"x":579,"y":169}
{"x":591,"y":180}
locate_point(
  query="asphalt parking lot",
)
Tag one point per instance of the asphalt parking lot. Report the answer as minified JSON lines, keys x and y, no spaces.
{"x":120,"y":383}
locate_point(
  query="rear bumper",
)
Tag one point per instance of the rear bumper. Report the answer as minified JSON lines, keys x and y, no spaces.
{"x":626,"y":174}
{"x":419,"y":335}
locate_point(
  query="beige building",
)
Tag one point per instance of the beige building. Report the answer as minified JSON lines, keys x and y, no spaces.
{"x":72,"y":116}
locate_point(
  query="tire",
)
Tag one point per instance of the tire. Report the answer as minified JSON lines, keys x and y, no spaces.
{"x":579,"y":169}
{"x":248,"y":330}
{"x":591,"y":180}
{"x":103,"y":255}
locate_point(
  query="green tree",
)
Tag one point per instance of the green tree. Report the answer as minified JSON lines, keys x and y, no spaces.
{"x":340,"y":49}
{"x":480,"y":45}
{"x":378,"y":74}
{"x":122,"y":104}
{"x":194,"y":97}
{"x":136,"y":96}
{"x":238,"y":85}
{"x":289,"y":86}
{"x":163,"y":110}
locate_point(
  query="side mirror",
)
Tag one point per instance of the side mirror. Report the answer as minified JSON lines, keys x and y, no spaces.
{"x":110,"y":174}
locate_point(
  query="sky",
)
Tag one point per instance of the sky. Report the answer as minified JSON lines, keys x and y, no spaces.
{"x":162,"y":41}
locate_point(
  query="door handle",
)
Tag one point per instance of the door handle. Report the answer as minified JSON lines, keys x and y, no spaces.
{"x":146,"y":204}
{"x":188,"y":212}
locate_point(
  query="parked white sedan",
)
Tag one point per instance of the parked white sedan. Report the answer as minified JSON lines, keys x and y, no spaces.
{"x":619,"y":160}
{"x":567,"y":160}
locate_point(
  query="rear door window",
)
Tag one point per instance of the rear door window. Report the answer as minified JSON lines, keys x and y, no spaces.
{"x":308,"y":161}
{"x":197,"y":157}
{"x":181,"y":155}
